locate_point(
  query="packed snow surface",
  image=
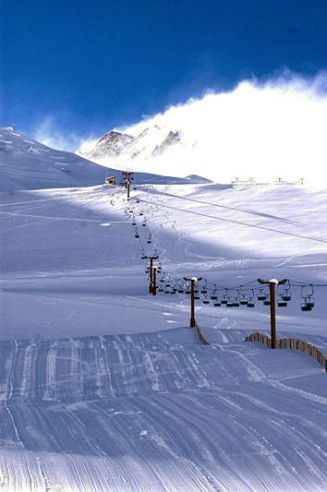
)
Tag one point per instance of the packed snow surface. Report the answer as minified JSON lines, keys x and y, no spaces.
{"x":105,"y":388}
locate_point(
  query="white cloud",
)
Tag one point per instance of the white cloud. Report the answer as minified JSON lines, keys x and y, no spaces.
{"x":265,"y":131}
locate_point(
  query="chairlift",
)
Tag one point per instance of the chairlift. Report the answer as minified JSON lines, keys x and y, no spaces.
{"x":286,"y":295}
{"x":229,"y":303}
{"x":224,"y":299}
{"x":306,"y":305}
{"x":187,"y":291}
{"x":250,"y":303}
{"x":266,"y":302}
{"x":137,"y":235}
{"x":281,"y":302}
{"x":205,"y":300}
{"x":261,"y":296}
{"x":160,"y":289}
{"x":307,"y":296}
{"x":180,"y":291}
{"x":236,"y":302}
{"x":243,"y":301}
{"x":217,"y":303}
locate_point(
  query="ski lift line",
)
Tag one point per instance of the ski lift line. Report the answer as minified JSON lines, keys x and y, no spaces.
{"x":177,"y":286}
{"x":270,"y":229}
{"x":250,"y":212}
{"x":306,"y":284}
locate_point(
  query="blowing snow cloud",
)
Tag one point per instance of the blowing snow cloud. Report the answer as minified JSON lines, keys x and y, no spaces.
{"x":265,"y":131}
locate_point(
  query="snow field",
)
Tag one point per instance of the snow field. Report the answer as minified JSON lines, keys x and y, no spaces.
{"x":105,"y":388}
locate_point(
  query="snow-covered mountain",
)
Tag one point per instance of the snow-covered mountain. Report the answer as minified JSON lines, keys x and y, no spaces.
{"x":150,"y":142}
{"x":270,"y":133}
{"x":28,"y":164}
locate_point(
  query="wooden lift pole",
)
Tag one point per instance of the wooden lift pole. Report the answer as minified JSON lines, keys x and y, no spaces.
{"x":272,"y":291}
{"x":193,"y":281}
{"x":152,"y":290}
{"x":127,"y":177}
{"x":154,"y":280}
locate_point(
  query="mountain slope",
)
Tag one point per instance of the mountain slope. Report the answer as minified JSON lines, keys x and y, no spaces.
{"x":27,"y":164}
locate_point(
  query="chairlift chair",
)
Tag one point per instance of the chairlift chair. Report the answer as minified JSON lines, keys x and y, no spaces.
{"x":306,"y":305}
{"x":243,"y":301}
{"x":261,"y":296}
{"x":307,"y":296}
{"x":250,"y":303}
{"x":282,"y":302}
{"x":229,"y":303}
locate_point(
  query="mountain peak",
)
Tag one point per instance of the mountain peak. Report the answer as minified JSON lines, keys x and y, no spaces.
{"x":149,"y":142}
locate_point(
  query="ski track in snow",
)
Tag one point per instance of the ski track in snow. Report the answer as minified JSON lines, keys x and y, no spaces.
{"x":142,"y":412}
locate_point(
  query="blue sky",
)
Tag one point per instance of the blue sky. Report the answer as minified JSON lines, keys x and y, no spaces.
{"x":89,"y":66}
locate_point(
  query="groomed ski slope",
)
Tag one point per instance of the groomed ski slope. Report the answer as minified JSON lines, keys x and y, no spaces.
{"x":105,"y":388}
